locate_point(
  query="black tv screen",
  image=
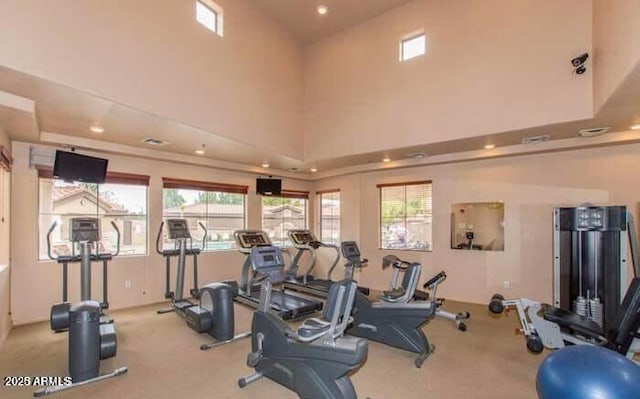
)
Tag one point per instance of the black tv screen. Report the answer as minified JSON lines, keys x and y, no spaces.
{"x":268,"y":186}
{"x":70,"y":166}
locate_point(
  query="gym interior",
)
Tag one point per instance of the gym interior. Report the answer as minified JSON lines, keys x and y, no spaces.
{"x":172,"y":153}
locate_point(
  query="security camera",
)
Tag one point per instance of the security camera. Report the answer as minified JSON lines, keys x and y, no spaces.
{"x":578,"y":61}
{"x":581,"y":69}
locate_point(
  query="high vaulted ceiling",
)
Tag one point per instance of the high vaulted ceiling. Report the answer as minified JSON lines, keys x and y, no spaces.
{"x":35,"y":108}
{"x":301,"y":17}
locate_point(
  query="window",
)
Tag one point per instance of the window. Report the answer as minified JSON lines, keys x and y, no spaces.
{"x":412,"y":47}
{"x":122,"y":199}
{"x":406,"y":216}
{"x":283,"y":213}
{"x":5,"y":168}
{"x":209,"y":14}
{"x":329,"y":216}
{"x":220,"y":208}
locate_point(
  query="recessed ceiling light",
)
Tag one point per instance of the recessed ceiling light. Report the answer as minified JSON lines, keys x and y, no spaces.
{"x":322,"y":9}
{"x":313,"y":170}
{"x":489,"y":146}
{"x":200,"y":151}
{"x":386,"y":159}
{"x":96,"y":129}
{"x":635,"y":127}
{"x":265,"y":165}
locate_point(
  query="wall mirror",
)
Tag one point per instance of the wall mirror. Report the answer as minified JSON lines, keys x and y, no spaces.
{"x":477,"y":226}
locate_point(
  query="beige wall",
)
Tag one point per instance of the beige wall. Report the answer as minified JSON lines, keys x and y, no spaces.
{"x":491,"y":66}
{"x":530,"y":187}
{"x":616,"y":45}
{"x":5,"y":242}
{"x":146,"y":273}
{"x":154,"y":56}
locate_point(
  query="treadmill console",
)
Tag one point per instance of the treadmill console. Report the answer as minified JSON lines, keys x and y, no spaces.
{"x":178,"y":229}
{"x":302,"y":237}
{"x":350,"y":250}
{"x":268,"y":261}
{"x":247,"y":239}
{"x":84,"y":229}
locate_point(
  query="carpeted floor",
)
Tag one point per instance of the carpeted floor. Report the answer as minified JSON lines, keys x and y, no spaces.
{"x":164,"y":361}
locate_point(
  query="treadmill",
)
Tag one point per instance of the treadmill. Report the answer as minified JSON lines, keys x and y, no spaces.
{"x":286,"y":305}
{"x":304,"y":240}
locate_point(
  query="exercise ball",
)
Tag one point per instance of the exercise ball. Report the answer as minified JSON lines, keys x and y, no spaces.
{"x":588,"y":372}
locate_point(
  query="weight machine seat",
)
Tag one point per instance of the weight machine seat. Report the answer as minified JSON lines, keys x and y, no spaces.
{"x":571,"y":321}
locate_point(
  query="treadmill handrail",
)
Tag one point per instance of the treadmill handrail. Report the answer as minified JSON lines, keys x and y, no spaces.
{"x":314,"y":258}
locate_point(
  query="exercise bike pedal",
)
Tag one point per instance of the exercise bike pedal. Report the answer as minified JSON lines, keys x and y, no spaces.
{"x":195,"y":293}
{"x":253,"y":358}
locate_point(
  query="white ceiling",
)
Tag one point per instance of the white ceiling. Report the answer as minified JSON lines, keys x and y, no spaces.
{"x":30,"y":106}
{"x":301,"y":18}
{"x":56,"y":114}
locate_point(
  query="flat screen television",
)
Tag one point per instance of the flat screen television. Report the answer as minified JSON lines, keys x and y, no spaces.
{"x":268,"y":186}
{"x":70,"y":166}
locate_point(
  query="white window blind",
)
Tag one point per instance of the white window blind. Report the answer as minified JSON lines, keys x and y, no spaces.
{"x":406,"y":216}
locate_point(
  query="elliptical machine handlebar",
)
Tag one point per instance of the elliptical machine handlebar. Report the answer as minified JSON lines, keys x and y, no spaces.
{"x":204,"y":236}
{"x":158,"y":237}
{"x":49,"y":254}
{"x":115,"y":227}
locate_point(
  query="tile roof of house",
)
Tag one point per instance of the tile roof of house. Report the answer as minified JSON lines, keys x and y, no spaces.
{"x":60,"y":193}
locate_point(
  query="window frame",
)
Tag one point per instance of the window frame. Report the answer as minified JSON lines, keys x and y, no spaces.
{"x":319,"y":197}
{"x":217,"y":12}
{"x":380,"y":187}
{"x":408,"y":38}
{"x":46,"y":173}
{"x":209,"y":188}
{"x":287,"y":194}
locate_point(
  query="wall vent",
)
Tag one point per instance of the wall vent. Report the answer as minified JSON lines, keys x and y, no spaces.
{"x":536,"y":139}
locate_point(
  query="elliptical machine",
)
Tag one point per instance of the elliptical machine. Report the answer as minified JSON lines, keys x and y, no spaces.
{"x":394,"y":320}
{"x":214,"y":314}
{"x":92,"y":335}
{"x":314,"y":360}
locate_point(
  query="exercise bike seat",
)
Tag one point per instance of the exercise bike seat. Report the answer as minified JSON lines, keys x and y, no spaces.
{"x":392,"y":295}
{"x":312,"y":327}
{"x":572,"y":321}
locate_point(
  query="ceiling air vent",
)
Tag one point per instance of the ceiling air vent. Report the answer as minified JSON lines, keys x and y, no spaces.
{"x":417,"y":155}
{"x":596,"y":131}
{"x":152,"y":141}
{"x":536,"y":139}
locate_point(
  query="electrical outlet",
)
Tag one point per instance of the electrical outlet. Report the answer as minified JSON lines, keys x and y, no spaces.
{"x":127,"y":284}
{"x":507,"y":284}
